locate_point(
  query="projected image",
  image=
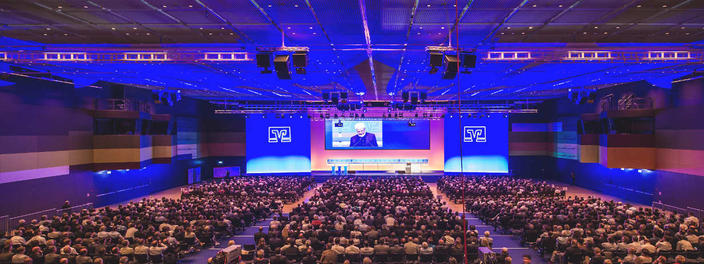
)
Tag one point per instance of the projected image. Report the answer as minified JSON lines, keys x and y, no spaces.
{"x":357,"y":134}
{"x":377,"y":134}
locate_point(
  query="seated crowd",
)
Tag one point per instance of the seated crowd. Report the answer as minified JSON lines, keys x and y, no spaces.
{"x":365,"y":220}
{"x":581,"y":229}
{"x":151,"y":230}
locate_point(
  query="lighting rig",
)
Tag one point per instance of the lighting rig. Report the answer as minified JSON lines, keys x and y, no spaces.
{"x":447,"y":58}
{"x":284,"y":60}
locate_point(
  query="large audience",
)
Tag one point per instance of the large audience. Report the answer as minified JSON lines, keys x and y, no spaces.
{"x":363,"y":220}
{"x":151,"y":230}
{"x":580,"y":229}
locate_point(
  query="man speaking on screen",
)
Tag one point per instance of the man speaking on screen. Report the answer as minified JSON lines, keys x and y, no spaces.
{"x":362,"y":139}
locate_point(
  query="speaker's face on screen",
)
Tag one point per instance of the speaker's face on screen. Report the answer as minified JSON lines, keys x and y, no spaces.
{"x":360,"y":128}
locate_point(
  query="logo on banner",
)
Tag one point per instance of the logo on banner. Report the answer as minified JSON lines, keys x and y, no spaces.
{"x":280,"y":134}
{"x":475,"y":134}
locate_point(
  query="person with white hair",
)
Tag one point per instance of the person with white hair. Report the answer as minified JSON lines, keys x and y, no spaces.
{"x":362,"y":138}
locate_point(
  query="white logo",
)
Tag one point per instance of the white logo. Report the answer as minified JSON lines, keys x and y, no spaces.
{"x":475,"y":134}
{"x":279,"y":134}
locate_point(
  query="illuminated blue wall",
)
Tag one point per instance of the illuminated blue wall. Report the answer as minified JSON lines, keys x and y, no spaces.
{"x":269,"y":151}
{"x":481,"y":153}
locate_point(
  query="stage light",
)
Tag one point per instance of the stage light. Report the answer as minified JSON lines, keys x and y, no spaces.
{"x":219,"y":161}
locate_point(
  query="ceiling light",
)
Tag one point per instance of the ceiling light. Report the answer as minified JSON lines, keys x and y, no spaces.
{"x":428,"y":5}
{"x":48,"y":28}
{"x":113,"y":28}
{"x":442,"y":27}
{"x":681,"y":27}
{"x":134,"y":28}
{"x":606,"y":32}
{"x":85,"y":6}
{"x":45,"y":34}
{"x":61,"y":7}
{"x":559,"y":6}
{"x":639,"y":6}
{"x":164,"y":6}
{"x":530,"y":27}
{"x":509,"y":28}
{"x":288,"y":27}
{"x":535,"y":5}
{"x":296,"y":5}
{"x":595,"y":27}
{"x":523,"y":33}
{"x":65,"y":34}
{"x":191,"y":6}
{"x":148,"y":33}
{"x":664,"y":6}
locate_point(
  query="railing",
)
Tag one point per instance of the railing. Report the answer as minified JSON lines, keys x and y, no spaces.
{"x":635,"y":103}
{"x":699,"y":213}
{"x":15,"y":221}
{"x":74,"y":209}
{"x":9,"y":223}
{"x":123,"y":105}
{"x":4,"y":224}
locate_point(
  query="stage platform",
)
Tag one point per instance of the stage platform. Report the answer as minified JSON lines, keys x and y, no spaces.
{"x":321,"y":176}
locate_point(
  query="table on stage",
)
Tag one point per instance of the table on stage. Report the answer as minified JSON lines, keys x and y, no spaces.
{"x":342,"y":166}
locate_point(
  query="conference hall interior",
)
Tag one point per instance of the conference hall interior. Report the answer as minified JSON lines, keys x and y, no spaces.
{"x":351,"y":131}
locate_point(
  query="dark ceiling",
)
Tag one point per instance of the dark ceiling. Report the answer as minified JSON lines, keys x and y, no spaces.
{"x":370,"y":47}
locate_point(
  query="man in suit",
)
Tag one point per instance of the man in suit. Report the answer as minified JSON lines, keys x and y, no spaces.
{"x":362,"y":139}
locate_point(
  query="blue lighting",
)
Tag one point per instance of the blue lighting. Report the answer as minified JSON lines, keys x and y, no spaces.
{"x":219,"y":161}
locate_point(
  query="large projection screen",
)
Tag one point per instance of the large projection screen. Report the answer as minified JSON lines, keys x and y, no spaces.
{"x":377,"y":134}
